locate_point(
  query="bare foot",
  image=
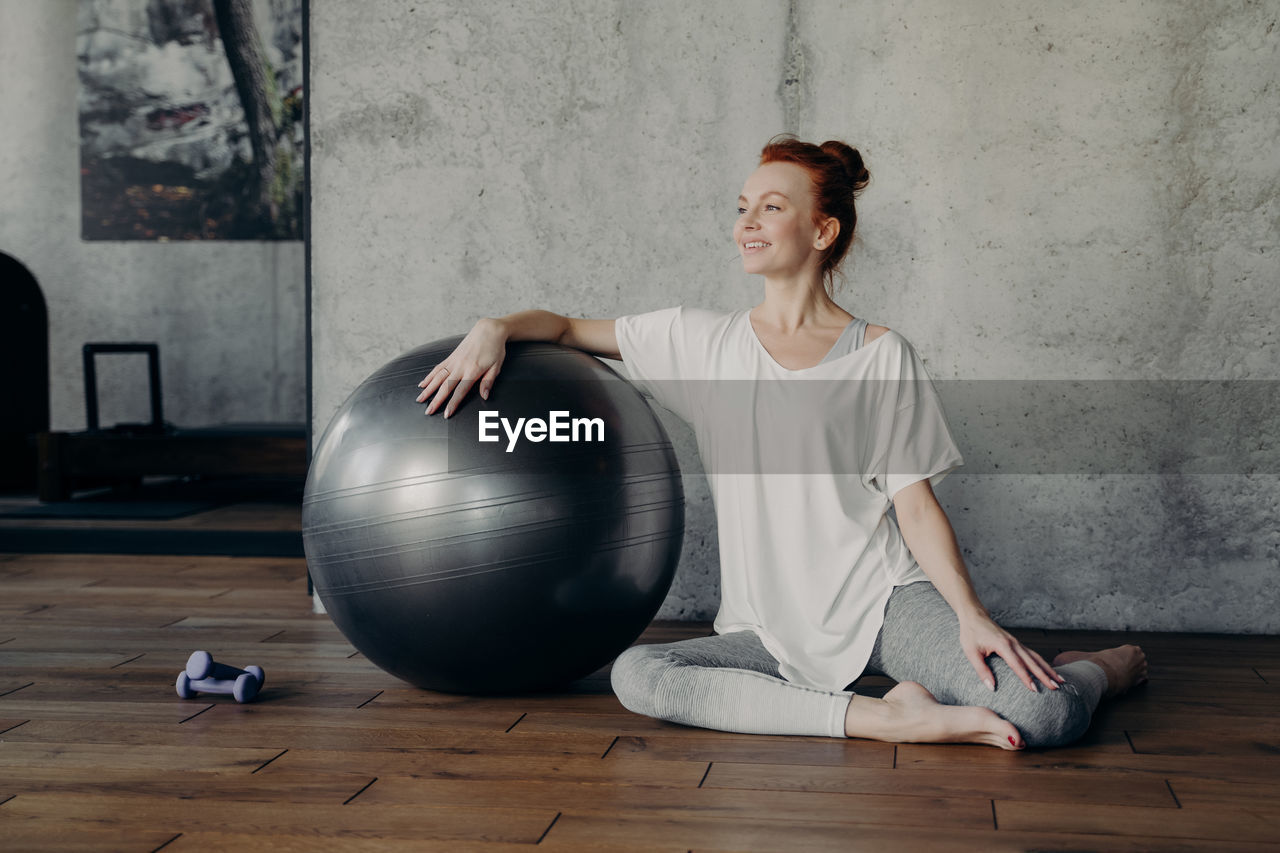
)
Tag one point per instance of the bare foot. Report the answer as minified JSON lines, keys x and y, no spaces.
{"x":910,"y":714}
{"x":1125,"y":666}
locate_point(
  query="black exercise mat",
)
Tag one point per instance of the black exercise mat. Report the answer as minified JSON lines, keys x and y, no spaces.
{"x":111,"y":510}
{"x":234,"y":543}
{"x":164,"y":500}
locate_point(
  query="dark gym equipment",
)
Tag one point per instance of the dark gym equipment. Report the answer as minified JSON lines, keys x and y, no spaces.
{"x":459,"y":566}
{"x":129,"y":452}
{"x":89,"y":354}
{"x":24,"y":374}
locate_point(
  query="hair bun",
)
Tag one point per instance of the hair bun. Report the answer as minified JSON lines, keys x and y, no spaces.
{"x":852,"y":160}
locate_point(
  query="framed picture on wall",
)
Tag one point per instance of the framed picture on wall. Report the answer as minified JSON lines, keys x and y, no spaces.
{"x":191,"y":122}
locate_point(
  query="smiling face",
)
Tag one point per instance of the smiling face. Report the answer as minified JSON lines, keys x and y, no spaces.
{"x":775,"y":231}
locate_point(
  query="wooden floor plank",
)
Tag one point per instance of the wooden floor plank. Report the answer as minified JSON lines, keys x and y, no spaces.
{"x":1063,"y":786}
{"x":1235,"y":825}
{"x":36,"y":705}
{"x":401,"y":698}
{"x":323,"y":666}
{"x":8,"y":724}
{"x":1173,"y":719}
{"x":490,"y":767}
{"x":909,"y":839}
{"x":1261,"y":793}
{"x":165,"y":656}
{"x":281,"y":693}
{"x":707,"y":834}
{"x":283,"y":790}
{"x":1225,"y":739}
{"x":1238,"y":672}
{"x":758,"y":750}
{"x":1208,"y":686}
{"x":662,"y":803}
{"x":1226,"y":645}
{"x":230,"y":842}
{"x":16,"y":756}
{"x":99,"y":592}
{"x":18,"y":661}
{"x":324,"y":712}
{"x":619,"y":724}
{"x":106,"y":811}
{"x":1088,"y":758}
{"x":53,"y":836}
{"x":208,"y":730}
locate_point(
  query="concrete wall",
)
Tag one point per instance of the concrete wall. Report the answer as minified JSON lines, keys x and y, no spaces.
{"x":228,"y":316}
{"x":1080,"y":193}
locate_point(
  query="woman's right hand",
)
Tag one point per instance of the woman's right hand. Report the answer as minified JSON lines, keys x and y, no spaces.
{"x":478,"y":358}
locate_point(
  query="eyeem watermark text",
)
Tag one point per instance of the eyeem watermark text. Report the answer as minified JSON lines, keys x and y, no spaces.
{"x":558,"y":426}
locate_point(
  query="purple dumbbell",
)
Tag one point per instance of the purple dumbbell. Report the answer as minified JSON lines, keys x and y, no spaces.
{"x":205,"y":675}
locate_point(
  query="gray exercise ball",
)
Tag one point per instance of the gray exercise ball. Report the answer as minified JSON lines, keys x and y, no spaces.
{"x":504,"y":565}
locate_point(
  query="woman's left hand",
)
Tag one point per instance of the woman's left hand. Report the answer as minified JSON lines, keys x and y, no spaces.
{"x":981,"y":636}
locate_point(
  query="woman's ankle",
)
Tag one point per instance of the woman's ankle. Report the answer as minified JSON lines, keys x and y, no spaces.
{"x":868,"y":717}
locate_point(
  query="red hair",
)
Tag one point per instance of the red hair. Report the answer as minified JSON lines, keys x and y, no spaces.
{"x":838,"y":176}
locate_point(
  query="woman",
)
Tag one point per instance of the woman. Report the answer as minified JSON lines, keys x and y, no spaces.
{"x":818,"y":582}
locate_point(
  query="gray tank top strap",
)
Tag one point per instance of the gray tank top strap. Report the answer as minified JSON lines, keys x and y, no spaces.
{"x":850,"y":339}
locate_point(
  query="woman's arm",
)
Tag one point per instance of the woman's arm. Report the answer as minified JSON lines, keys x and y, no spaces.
{"x":928,"y":533}
{"x":480,"y":355}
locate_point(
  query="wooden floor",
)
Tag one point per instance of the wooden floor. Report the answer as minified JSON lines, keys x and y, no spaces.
{"x":97,"y":753}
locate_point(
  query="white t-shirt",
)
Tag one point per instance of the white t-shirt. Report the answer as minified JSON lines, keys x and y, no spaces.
{"x":802,"y":466}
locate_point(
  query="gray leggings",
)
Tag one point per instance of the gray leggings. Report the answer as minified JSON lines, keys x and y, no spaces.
{"x":730,"y":682}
